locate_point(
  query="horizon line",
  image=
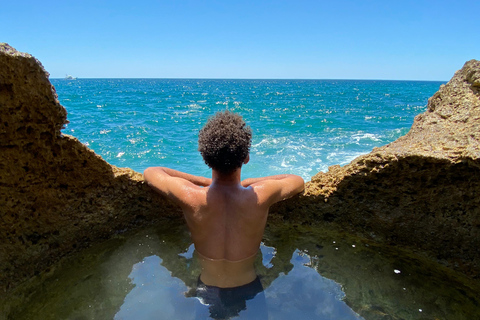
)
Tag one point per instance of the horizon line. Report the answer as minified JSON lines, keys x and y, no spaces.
{"x":279,"y":79}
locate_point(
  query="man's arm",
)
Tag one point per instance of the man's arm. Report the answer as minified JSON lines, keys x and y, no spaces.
{"x":174,"y":184}
{"x":276,"y":188}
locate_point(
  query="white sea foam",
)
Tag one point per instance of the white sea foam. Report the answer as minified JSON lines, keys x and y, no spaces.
{"x":300,"y":128}
{"x":365,"y":136}
{"x":342,"y":157}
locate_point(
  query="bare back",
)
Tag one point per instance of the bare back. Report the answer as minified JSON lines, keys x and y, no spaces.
{"x":227,"y":223}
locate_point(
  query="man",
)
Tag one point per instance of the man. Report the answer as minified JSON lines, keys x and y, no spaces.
{"x":226,"y":216}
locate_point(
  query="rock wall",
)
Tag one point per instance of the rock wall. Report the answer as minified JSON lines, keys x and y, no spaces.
{"x":57,"y":196}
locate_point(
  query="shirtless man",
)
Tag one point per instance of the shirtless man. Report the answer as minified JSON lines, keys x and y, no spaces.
{"x":226,"y":216}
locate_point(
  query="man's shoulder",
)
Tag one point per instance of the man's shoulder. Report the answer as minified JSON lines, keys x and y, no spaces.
{"x":194,"y":195}
{"x":263,"y":191}
{"x":277,"y":188}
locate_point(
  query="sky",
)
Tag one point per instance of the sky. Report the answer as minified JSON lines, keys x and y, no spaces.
{"x":245,"y":39}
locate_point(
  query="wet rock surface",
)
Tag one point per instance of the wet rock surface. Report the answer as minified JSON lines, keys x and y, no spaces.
{"x":57,"y":196}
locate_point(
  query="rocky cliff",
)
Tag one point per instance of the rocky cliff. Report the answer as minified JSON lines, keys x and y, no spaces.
{"x":57,"y":196}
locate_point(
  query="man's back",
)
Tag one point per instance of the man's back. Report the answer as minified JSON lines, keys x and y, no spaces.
{"x":227,"y":222}
{"x":227,"y":225}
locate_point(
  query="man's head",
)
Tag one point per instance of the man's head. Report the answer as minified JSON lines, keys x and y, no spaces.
{"x":224,"y":142}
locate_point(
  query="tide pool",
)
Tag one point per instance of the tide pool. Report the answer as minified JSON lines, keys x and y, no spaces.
{"x":306,"y":273}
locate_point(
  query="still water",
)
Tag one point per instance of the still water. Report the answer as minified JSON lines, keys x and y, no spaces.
{"x":306,"y":273}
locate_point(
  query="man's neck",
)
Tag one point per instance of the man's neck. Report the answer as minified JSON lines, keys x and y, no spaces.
{"x":233,"y":178}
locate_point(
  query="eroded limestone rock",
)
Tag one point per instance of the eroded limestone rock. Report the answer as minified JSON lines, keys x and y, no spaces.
{"x":56,"y":195}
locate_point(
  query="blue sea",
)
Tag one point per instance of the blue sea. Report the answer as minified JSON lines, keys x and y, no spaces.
{"x":299,"y":126}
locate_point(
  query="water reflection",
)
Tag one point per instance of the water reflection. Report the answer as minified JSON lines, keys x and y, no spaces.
{"x":156,"y":295}
{"x":306,"y":273}
{"x":302,"y":292}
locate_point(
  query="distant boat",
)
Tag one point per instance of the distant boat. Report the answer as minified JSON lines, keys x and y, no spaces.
{"x":70,"y":77}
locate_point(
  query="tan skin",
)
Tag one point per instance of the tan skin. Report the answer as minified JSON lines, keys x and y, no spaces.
{"x":226,"y":217}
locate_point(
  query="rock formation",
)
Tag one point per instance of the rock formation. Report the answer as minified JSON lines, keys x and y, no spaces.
{"x":57,"y":196}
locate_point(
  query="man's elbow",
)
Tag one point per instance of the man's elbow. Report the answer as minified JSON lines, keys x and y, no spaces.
{"x":149,"y":173}
{"x":300,"y":183}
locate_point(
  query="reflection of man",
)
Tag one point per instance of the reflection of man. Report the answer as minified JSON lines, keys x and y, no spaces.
{"x":226,"y":216}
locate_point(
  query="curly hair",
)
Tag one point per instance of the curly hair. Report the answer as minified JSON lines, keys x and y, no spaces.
{"x":224,"y":142}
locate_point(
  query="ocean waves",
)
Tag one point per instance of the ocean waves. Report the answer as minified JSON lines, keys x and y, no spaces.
{"x":299,"y":126}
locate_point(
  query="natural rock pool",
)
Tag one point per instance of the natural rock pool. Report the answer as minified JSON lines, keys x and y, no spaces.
{"x":307,"y":273}
{"x":418,"y":192}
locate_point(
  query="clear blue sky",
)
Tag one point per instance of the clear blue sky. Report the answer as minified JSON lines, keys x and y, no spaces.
{"x":405,"y":40}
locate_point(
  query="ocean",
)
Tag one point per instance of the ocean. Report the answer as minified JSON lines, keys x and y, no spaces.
{"x":299,"y":126}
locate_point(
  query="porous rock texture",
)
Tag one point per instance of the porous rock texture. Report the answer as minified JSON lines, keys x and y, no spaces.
{"x":421,"y":191}
{"x":57,"y":196}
